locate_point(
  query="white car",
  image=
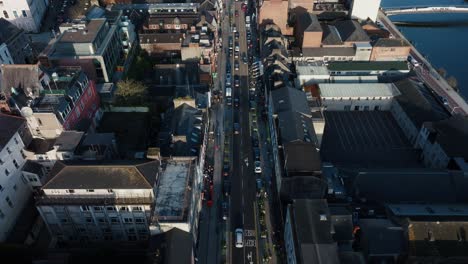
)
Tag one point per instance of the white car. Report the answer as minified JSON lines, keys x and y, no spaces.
{"x":239,"y":238}
{"x":258,"y":167}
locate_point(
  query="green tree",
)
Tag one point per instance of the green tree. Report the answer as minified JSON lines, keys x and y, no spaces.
{"x":131,"y":93}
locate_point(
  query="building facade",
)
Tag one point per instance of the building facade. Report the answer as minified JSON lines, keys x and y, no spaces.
{"x":14,"y":189}
{"x":25,"y":14}
{"x":5,"y":56}
{"x":16,"y":42}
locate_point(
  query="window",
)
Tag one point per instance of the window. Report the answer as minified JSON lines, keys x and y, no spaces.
{"x":97,"y":208}
{"x":7,"y":199}
{"x":84,"y":208}
{"x":2,"y":215}
{"x":1,"y":162}
{"x":90,"y":190}
{"x":8,"y":150}
{"x":7,"y":172}
{"x":128,"y":220}
{"x":89,"y":220}
{"x":366,"y":108}
{"x":15,"y":13}
{"x":114,"y":220}
{"x":15,"y":163}
{"x":64,"y":220}
{"x":5,"y":14}
{"x":101,"y":220}
{"x":139,"y":220}
{"x":356,"y":108}
{"x":1,"y":188}
{"x":110,"y":208}
{"x":110,"y":191}
{"x":22,"y":154}
{"x":137,"y":208}
{"x":123,"y":208}
{"x":15,"y":187}
{"x":16,"y":141}
{"x":71,"y":191}
{"x":24,"y":13}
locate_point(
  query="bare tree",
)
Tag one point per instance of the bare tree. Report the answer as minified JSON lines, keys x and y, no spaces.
{"x":452,"y":81}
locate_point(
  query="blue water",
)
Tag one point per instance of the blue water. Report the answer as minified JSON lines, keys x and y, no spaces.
{"x":445,"y":47}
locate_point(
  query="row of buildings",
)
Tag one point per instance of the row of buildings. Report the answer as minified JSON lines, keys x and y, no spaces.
{"x":70,"y":165}
{"x":369,"y":163}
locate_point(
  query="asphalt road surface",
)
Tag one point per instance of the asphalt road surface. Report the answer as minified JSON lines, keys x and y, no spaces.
{"x":243,"y":189}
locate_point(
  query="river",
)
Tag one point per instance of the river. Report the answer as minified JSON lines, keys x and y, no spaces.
{"x":445,"y":47}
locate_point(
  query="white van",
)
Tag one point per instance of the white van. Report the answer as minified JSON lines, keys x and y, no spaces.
{"x":239,"y":238}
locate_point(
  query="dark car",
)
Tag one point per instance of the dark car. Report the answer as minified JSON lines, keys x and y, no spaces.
{"x":224,"y":210}
{"x":226,"y":187}
{"x":226,"y":170}
{"x":244,"y":58}
{"x":236,"y":102}
{"x":236,"y":81}
{"x":236,"y":128}
{"x":236,"y":35}
{"x":257,"y":153}
{"x":236,"y":65}
{"x":255,"y":142}
{"x":259,"y":186}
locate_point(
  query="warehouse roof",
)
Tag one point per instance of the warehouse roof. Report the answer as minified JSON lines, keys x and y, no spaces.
{"x":358,"y":90}
{"x":368,"y":66}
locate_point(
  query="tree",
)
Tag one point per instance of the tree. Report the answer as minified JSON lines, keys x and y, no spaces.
{"x":131,"y":93}
{"x":442,"y":72}
{"x":452,"y":81}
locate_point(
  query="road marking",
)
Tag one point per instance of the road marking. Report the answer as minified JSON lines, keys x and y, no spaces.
{"x":249,"y":243}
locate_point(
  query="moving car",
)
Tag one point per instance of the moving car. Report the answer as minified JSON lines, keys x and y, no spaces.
{"x":236,"y":81}
{"x":236,"y":65}
{"x":236,"y":35}
{"x":236,"y":128}
{"x":236,"y":102}
{"x":225,"y":210}
{"x":228,"y":79}
{"x":236,"y":13}
{"x":258,"y":166}
{"x":239,"y":234}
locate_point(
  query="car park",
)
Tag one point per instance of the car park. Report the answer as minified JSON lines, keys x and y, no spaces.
{"x":258,"y":167}
{"x":239,"y":238}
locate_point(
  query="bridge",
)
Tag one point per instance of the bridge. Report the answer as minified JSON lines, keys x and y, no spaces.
{"x":404,"y":10}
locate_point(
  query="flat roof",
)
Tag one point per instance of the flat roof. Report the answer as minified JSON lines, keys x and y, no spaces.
{"x":429,"y":209}
{"x":311,"y":68}
{"x":355,"y":90}
{"x":367,"y":65}
{"x":85,"y":34}
{"x":173,"y":193}
{"x":366,"y":139}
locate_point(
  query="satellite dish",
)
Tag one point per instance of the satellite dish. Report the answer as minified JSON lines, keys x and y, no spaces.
{"x":26,"y":112}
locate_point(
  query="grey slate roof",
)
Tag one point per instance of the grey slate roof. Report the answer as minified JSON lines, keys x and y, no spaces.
{"x":381,"y":237}
{"x":103,"y":175}
{"x":309,"y":22}
{"x":313,"y":233}
{"x":295,"y":126}
{"x":9,"y":125}
{"x":321,"y":52}
{"x":7,"y":30}
{"x":406,"y":185}
{"x":331,"y":35}
{"x":301,"y":158}
{"x":289,"y":99}
{"x":351,"y":31}
{"x":452,"y":135}
{"x":415,"y":104}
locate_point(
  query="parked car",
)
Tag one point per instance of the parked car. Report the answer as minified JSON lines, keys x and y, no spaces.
{"x":239,"y":235}
{"x":259,"y":185}
{"x":236,"y":65}
{"x":236,"y":35}
{"x":258,"y":167}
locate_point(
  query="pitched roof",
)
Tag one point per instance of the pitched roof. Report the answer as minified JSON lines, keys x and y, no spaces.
{"x":301,"y":158}
{"x":331,"y":35}
{"x":9,"y":125}
{"x":289,"y":99}
{"x":351,"y":31}
{"x":295,"y":126}
{"x":452,"y":135}
{"x":417,"y":105}
{"x":103,"y":175}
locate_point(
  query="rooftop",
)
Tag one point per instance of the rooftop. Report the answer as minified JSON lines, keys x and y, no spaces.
{"x":328,"y":51}
{"x":311,"y":68}
{"x":451,"y":133}
{"x":289,"y":99}
{"x":24,"y":78}
{"x":313,"y":230}
{"x":154,"y":36}
{"x":103,"y":175}
{"x":9,"y":126}
{"x":7,"y":30}
{"x":68,"y":140}
{"x":357,"y":90}
{"x":351,"y":31}
{"x":295,"y":126}
{"x":301,"y":158}
{"x":366,"y":139}
{"x":83,"y":33}
{"x":367,"y":66}
{"x":380,"y":237}
{"x":391,"y":42}
{"x":331,"y":36}
{"x":429,"y":210}
{"x":173,"y":193}
{"x":419,"y":103}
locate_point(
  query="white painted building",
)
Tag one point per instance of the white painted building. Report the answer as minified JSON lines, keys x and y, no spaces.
{"x":14,"y":189}
{"x":5,"y":56}
{"x":364,"y":9}
{"x":357,"y":96}
{"x":25,"y":14}
{"x":88,"y":203}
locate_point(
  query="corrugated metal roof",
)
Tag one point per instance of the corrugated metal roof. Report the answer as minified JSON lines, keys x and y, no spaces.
{"x":338,"y":90}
